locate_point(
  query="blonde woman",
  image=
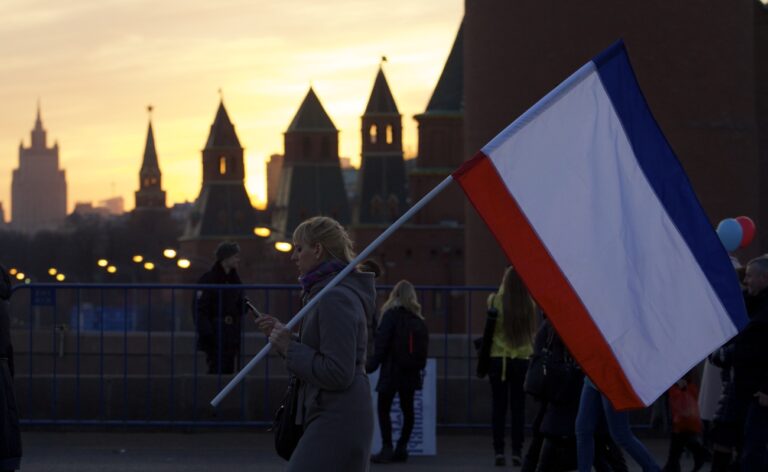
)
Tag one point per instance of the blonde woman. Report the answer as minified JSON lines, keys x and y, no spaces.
{"x":329,"y":355}
{"x":401,"y":351}
{"x":511,"y":347}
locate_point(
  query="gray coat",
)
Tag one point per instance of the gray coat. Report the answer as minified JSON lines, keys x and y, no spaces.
{"x":335,"y":396}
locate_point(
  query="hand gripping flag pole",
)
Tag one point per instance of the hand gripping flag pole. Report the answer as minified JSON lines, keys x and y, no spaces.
{"x":349,"y":268}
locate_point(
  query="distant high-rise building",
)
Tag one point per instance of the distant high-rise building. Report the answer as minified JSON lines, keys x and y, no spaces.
{"x":150,"y":194}
{"x":2,"y":215}
{"x":39,"y":188}
{"x":381,"y":184}
{"x":310,"y":182}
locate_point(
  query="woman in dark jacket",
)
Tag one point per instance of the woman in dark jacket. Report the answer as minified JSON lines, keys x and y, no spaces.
{"x":553,"y":448}
{"x":10,"y":438}
{"x":393,"y":378}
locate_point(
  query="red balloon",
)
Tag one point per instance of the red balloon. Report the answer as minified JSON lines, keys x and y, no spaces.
{"x":747,"y":230}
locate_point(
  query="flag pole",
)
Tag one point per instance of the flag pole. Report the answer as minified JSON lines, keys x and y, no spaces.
{"x":349,"y":268}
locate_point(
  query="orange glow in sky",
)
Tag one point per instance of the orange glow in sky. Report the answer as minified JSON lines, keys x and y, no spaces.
{"x":95,"y":66}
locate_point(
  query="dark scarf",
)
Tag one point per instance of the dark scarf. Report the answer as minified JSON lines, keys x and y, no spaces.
{"x":320,"y":272}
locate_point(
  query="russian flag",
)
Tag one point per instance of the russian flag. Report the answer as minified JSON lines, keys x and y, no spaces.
{"x":591,"y":206}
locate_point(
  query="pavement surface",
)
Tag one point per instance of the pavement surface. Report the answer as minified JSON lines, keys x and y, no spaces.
{"x":224,"y":451}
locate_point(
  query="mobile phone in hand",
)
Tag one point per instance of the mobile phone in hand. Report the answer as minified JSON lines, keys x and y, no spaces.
{"x":256,"y":313}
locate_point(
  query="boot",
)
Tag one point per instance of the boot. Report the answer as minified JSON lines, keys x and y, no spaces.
{"x":676,"y":447}
{"x":384,"y":456}
{"x":699,"y":454}
{"x":401,"y":453}
{"x":721,"y":461}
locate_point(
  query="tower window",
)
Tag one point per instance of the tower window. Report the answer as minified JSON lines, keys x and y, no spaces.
{"x":222,"y":165}
{"x":372,"y":134}
{"x":326,"y":147}
{"x":390,"y":138}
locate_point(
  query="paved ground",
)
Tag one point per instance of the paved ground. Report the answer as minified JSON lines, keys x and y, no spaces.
{"x":224,"y":451}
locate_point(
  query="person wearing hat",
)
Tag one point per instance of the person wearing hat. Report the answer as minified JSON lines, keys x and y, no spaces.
{"x":218,"y":311}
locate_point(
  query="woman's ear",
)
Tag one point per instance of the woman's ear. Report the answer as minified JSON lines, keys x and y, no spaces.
{"x":318,"y":251}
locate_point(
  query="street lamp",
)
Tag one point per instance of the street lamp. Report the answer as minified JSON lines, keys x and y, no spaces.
{"x":183,"y":263}
{"x":13,"y":271}
{"x":60,"y":277}
{"x":138,"y":258}
{"x":102,"y":263}
{"x":262,"y":231}
{"x":169,"y":253}
{"x":19,"y":275}
{"x":112,"y":269}
{"x":149,"y":265}
{"x":52,"y":271}
{"x":284,"y":246}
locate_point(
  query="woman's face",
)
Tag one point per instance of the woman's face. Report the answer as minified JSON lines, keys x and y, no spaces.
{"x":306,"y":256}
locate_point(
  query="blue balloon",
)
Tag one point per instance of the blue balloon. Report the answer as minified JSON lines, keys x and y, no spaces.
{"x":730,"y":232}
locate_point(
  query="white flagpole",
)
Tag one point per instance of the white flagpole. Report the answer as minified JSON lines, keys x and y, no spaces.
{"x":349,"y":268}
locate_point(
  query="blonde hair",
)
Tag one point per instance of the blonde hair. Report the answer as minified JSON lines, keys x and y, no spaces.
{"x":403,"y":295}
{"x":328,"y":233}
{"x":519,"y":310}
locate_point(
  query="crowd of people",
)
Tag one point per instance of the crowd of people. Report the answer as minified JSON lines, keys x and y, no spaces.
{"x":327,"y":419}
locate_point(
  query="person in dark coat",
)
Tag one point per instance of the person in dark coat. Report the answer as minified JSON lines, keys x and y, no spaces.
{"x":745,"y":401}
{"x":219,"y":311}
{"x":553,"y":448}
{"x":393,"y":378}
{"x":328,"y":356}
{"x":10,"y":437}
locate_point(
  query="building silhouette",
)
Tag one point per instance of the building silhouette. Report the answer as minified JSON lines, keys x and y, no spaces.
{"x":310,"y":181}
{"x":381,"y":182}
{"x":39,"y":187}
{"x":428,"y":249}
{"x":223,"y":208}
{"x":150,"y":195}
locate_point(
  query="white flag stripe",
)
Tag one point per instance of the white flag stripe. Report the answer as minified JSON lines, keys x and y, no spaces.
{"x":622,"y":255}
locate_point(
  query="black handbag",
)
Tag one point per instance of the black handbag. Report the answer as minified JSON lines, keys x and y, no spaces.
{"x":287,"y":432}
{"x":483,"y":344}
{"x":550,"y":377}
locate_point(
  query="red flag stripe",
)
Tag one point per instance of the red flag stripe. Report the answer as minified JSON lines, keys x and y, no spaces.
{"x":544,"y":279}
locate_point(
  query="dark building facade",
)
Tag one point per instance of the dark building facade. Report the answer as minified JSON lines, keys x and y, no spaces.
{"x":698,"y":66}
{"x":39,"y":187}
{"x":310,"y":181}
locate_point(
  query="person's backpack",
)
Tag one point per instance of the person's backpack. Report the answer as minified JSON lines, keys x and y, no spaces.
{"x":410,"y":342}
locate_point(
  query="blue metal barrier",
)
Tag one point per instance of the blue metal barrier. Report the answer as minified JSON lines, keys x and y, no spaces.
{"x":125,"y":355}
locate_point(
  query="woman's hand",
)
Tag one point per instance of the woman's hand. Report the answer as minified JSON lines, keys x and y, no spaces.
{"x":266,"y":323}
{"x":280,"y":338}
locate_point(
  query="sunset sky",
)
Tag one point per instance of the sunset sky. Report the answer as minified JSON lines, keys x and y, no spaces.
{"x":95,"y":65}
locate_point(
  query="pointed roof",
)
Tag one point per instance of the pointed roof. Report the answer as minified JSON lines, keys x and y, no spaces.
{"x":38,"y":120}
{"x":381,"y":100}
{"x":311,"y":116}
{"x":449,"y":92}
{"x":150,"y":154}
{"x":222,"y":131}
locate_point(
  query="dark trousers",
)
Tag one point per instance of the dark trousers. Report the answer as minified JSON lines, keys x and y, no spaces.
{"x":220,"y":365}
{"x":507,"y":392}
{"x":753,"y":453}
{"x":385,"y":422}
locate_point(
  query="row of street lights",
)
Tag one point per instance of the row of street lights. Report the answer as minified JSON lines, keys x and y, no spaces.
{"x":148,"y":265}
{"x":22,"y":277}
